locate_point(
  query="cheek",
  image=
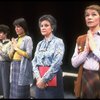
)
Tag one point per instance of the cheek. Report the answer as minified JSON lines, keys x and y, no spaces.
{"x":43,"y":33}
{"x":49,"y":30}
{"x":97,"y":21}
{"x":86,"y":21}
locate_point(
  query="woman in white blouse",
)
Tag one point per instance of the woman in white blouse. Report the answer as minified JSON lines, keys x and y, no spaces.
{"x":90,"y":56}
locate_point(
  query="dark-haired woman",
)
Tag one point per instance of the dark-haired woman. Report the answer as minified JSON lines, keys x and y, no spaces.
{"x":5,"y":61}
{"x":48,"y":55}
{"x":21,"y":67}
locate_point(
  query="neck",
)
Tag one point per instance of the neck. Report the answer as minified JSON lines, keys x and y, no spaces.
{"x":21,"y":35}
{"x":94,"y":30}
{"x":48,"y":37}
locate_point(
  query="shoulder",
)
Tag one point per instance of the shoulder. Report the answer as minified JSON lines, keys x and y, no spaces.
{"x":58,"y":40}
{"x":27,"y":37}
{"x":39,"y":42}
{"x":7,"y":41}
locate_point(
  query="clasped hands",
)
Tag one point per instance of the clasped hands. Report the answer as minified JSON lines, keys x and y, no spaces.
{"x":14,"y":44}
{"x":90,"y":43}
{"x":40,"y":84}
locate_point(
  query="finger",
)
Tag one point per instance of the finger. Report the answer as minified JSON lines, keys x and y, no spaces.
{"x":46,"y":84}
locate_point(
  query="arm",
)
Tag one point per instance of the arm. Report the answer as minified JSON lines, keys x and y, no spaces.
{"x":34,"y":64}
{"x":95,"y":48}
{"x":11,"y":51}
{"x":56,"y":61}
{"x":28,"y":48}
{"x":78,"y":58}
{"x":96,"y":52}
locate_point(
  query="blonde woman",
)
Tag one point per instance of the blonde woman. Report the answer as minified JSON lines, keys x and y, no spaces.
{"x":90,"y":56}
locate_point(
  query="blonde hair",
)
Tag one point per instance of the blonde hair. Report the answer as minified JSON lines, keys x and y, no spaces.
{"x":93,"y":7}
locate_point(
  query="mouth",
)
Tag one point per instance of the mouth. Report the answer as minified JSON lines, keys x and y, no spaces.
{"x":43,"y":31}
{"x":90,"y":22}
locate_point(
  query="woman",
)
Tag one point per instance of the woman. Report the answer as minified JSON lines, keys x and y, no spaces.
{"x":21,"y":68}
{"x":49,"y":54}
{"x":90,"y":55}
{"x":5,"y":61}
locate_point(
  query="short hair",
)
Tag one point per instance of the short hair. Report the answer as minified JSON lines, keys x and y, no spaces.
{"x":49,"y":18}
{"x":21,"y":22}
{"x":5,"y":29}
{"x":93,"y":7}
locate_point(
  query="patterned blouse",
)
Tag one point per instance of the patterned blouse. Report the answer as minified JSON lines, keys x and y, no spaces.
{"x":48,"y":53}
{"x":4,"y":50}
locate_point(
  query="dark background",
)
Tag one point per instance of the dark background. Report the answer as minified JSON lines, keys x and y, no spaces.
{"x":70,"y":24}
{"x":69,"y":15}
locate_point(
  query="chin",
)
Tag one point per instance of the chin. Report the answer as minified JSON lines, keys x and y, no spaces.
{"x":43,"y":34}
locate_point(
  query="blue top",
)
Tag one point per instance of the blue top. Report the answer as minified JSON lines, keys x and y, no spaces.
{"x":48,"y":53}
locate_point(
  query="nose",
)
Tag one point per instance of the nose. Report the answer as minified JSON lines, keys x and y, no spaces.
{"x":89,"y":17}
{"x":43,"y":27}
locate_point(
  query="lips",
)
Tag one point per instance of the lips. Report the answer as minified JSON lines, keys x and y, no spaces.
{"x":43,"y":31}
{"x":90,"y":22}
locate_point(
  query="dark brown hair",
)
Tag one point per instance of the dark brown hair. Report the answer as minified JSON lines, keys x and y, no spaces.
{"x":5,"y":29}
{"x":21,"y":22}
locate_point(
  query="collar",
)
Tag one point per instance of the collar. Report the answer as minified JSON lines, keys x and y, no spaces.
{"x":5,"y":41}
{"x":98,"y":33}
{"x":49,"y":39}
{"x":21,"y":35}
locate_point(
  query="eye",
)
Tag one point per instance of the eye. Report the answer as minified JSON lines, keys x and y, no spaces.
{"x":46,"y":25}
{"x":94,"y":14}
{"x":41,"y":25}
{"x":86,"y":15}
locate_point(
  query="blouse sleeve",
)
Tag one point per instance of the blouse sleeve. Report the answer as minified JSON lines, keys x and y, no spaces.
{"x":78,"y":59}
{"x":29,"y":47}
{"x":56,"y":61}
{"x":34,"y":64}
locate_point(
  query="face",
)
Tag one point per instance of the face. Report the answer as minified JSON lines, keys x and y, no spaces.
{"x":2,"y":35}
{"x":19,"y":30}
{"x":92,"y":18}
{"x":45,"y":28}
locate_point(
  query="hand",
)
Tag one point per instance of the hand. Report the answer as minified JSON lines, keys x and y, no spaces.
{"x":14,"y":43}
{"x":13,"y":40}
{"x":41,"y":84}
{"x":0,"y":47}
{"x":91,"y":41}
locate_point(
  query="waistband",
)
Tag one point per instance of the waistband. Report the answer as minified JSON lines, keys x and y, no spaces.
{"x":5,"y":61}
{"x":87,"y":70}
{"x":16,"y":60}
